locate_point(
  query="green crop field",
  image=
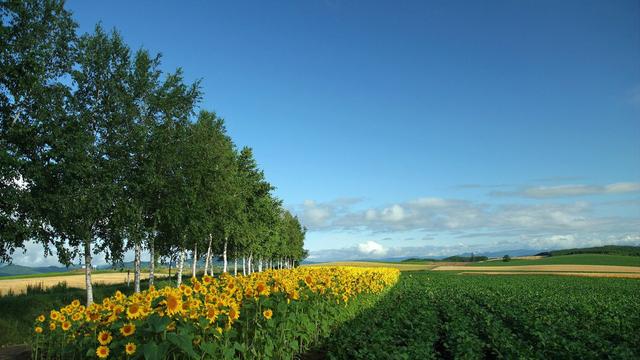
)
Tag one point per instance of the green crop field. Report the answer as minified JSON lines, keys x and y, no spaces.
{"x":438,"y":315}
{"x":579,"y":259}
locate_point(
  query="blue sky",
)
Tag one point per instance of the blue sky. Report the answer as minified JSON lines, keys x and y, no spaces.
{"x":420,"y":127}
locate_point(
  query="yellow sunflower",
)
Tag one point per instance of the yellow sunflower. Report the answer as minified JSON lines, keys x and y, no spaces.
{"x":261,"y":288}
{"x":128,"y":329}
{"x":38,"y":330}
{"x":104,"y":337}
{"x":212,"y":314}
{"x":234,"y":313}
{"x":66,"y":326}
{"x":267,"y":314}
{"x":41,"y":318}
{"x":130,"y":348}
{"x":102,"y":352}
{"x":133,"y":311}
{"x":174,"y":304}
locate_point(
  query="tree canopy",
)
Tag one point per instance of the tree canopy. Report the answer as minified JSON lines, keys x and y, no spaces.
{"x":103,"y":151}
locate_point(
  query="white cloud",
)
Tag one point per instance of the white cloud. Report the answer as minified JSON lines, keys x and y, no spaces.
{"x":523,"y":243}
{"x":372,"y":248}
{"x":394,"y":213}
{"x":559,"y":191}
{"x":316,"y":214}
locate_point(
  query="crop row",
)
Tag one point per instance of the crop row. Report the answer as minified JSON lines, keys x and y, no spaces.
{"x":429,"y":315}
{"x":272,"y":314}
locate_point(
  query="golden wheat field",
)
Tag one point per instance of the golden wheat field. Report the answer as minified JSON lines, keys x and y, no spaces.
{"x":76,"y":281}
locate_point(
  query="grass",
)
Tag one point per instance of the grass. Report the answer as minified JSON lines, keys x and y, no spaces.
{"x":579,"y":259}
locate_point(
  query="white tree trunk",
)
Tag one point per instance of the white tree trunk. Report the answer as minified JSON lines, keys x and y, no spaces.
{"x":180,"y":266}
{"x":250,"y":265}
{"x":136,"y":268}
{"x":152,"y":259}
{"x":244,"y":266}
{"x":235,"y":266}
{"x":208,"y":257}
{"x":87,"y":271}
{"x":224,"y":255}
{"x":194,"y":259}
{"x":259,"y":264}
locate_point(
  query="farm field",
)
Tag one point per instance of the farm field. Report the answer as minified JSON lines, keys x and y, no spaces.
{"x":431,"y":315}
{"x":544,"y":268}
{"x":578,"y":259}
{"x":399,"y":266}
{"x":20,"y":284}
{"x":270,"y":314}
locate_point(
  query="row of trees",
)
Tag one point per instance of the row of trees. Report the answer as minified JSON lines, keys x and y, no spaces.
{"x":101,"y":151}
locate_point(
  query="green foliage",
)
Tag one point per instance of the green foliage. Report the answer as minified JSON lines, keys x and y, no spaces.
{"x":465,"y":258}
{"x":100,"y":151}
{"x":608,"y":249}
{"x":437,"y":315}
{"x":580,"y":259}
{"x":36,"y":53}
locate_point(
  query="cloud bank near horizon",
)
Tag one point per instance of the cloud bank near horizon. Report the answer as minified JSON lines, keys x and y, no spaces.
{"x":547,"y":217}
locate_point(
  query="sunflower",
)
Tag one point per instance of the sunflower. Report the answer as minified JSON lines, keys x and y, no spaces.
{"x":261,"y":288}
{"x":92,"y":315}
{"x":174,"y":304}
{"x":66,"y":326}
{"x":128,"y":329}
{"x":308,"y":280}
{"x":52,"y":326}
{"x":41,"y":318}
{"x":294,"y":295}
{"x":76,"y":316}
{"x":212,"y":314}
{"x":75,"y":303}
{"x":102,"y":351}
{"x":38,"y":330}
{"x":54,"y":315}
{"x":133,"y":311}
{"x":130,"y":348}
{"x":104,"y":337}
{"x":267,"y":314}
{"x":234,"y":313}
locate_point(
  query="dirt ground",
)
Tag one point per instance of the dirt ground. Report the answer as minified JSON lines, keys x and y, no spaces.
{"x":77,"y":281}
{"x":545,"y":268}
{"x":583,"y":274}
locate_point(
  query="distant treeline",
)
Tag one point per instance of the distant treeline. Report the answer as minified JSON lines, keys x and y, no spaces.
{"x":608,"y":250}
{"x":449,"y":259}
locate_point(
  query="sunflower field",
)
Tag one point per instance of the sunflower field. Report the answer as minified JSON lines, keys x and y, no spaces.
{"x":271,"y":314}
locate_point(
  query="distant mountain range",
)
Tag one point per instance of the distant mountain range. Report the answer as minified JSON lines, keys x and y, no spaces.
{"x":13,"y":269}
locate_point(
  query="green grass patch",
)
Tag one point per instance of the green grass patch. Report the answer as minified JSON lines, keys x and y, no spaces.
{"x":579,"y":259}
